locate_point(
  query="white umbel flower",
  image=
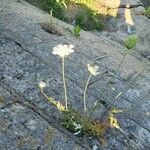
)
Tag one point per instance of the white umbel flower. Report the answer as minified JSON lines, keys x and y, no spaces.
{"x":42,"y":84}
{"x":63,"y":50}
{"x":93,"y":69}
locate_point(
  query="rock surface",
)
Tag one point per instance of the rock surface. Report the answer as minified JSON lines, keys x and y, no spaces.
{"x":23,"y":128}
{"x":28,"y":121}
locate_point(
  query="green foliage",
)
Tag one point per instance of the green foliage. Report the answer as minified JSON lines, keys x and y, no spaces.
{"x":147,"y":12}
{"x":88,"y":127}
{"x":56,"y":6}
{"x":76,"y":31}
{"x":86,"y":18}
{"x":90,"y":20}
{"x":69,"y":119}
{"x":131,"y":41}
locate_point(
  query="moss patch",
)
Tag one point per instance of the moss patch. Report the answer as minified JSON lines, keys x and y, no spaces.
{"x":88,"y":127}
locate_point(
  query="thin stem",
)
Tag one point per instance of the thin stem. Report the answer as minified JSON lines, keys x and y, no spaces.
{"x":124,"y":56}
{"x":85,"y":92}
{"x":126,"y":87}
{"x":103,"y":92}
{"x":49,"y":99}
{"x":64,"y":83}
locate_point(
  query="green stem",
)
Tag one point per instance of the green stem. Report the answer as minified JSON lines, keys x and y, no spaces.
{"x":126,"y":87}
{"x":124,"y":56}
{"x":64,"y":83}
{"x":49,"y":99}
{"x":103,"y":92}
{"x":85,"y":92}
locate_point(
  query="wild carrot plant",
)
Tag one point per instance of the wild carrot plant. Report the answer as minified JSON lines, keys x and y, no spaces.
{"x":130,"y":44}
{"x":63,"y":51}
{"x":93,"y":71}
{"x":42,"y":85}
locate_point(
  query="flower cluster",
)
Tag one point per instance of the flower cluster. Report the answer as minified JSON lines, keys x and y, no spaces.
{"x":93,"y":69}
{"x":63,"y":50}
{"x":42,"y":84}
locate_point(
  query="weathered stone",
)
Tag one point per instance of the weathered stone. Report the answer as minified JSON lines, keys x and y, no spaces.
{"x":26,"y":59}
{"x":24,"y":129}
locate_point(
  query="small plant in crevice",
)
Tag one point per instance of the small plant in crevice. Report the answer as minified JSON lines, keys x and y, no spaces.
{"x":131,"y":41}
{"x":80,"y":125}
{"x":76,"y":31}
{"x":147,"y":12}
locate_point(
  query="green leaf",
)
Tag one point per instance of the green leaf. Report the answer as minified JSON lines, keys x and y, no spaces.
{"x":131,"y":41}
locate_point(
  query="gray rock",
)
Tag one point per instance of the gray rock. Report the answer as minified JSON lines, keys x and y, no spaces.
{"x":26,"y":59}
